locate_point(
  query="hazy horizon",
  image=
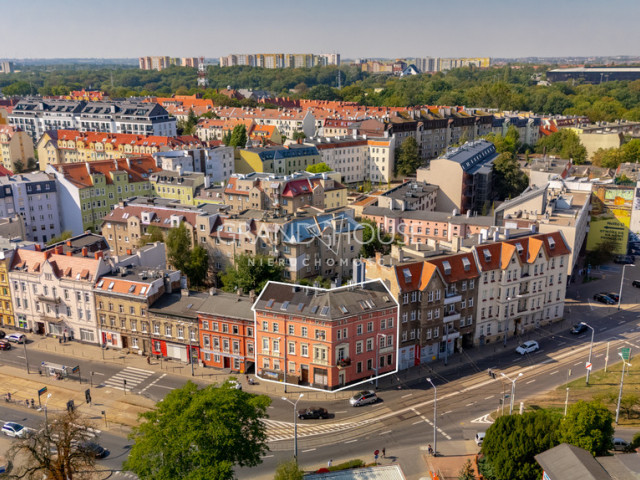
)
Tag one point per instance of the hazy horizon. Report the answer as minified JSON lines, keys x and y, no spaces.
{"x":122,"y":29}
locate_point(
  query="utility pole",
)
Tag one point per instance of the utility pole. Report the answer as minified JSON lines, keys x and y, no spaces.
{"x":435,"y":417}
{"x":26,"y":358}
{"x":624,"y":363}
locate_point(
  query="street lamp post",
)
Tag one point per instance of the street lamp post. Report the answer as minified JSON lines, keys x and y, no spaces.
{"x":295,"y":424}
{"x":26,"y":358}
{"x":621,"y":282}
{"x":590,"y":348}
{"x":435,"y":417}
{"x":378,"y":355}
{"x":624,"y":363}
{"x":446,"y":344}
{"x":513,"y":390}
{"x":190,"y":350}
{"x":46,"y":423}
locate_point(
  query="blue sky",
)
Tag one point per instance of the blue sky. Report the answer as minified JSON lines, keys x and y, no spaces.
{"x":353,"y":28}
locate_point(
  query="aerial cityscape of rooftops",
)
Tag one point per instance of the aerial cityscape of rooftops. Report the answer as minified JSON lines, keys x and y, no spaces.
{"x":207,"y":262}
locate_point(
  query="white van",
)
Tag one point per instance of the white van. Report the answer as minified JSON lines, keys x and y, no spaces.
{"x":480,"y":438}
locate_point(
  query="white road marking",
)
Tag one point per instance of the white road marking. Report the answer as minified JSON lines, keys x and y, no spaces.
{"x":154,"y":382}
{"x":267,"y":456}
{"x":553,"y":373}
{"x":448,"y":411}
{"x":469,"y":404}
{"x":490,"y":396}
{"x":351,"y":441}
{"x":620,"y":322}
{"x":341,"y":411}
{"x":579,"y":363}
{"x":407,"y":395}
{"x":384,"y":433}
{"x":415,"y":423}
{"x":310,"y":450}
{"x":599,"y":355}
{"x":530,"y":381}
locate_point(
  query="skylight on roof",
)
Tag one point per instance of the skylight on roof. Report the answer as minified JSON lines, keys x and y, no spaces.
{"x":270,"y":303}
{"x":487,"y":254}
{"x":285,"y":305}
{"x":100,"y":283}
{"x":325,"y":311}
{"x":111,"y":285}
{"x":132,"y":288}
{"x":343,"y":309}
{"x":143,"y":290}
{"x":519,"y":247}
{"x":552,"y":243}
{"x":314,"y":309}
{"x":300,"y":306}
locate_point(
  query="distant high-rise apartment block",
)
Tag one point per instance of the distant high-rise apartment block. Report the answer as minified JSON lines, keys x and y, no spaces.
{"x":162,"y":62}
{"x":280,"y":60}
{"x":6,"y":67}
{"x":437,"y":64}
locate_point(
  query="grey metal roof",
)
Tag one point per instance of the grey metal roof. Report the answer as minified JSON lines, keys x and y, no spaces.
{"x":472,"y":155}
{"x":567,"y":462}
{"x":228,"y":305}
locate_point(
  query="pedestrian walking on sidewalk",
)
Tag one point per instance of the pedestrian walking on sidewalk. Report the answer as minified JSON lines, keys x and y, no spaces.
{"x":329,"y":463}
{"x":384,"y":452}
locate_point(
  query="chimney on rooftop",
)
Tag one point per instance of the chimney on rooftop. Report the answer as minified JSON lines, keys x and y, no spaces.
{"x":85,"y":251}
{"x":99,"y":255}
{"x":252,"y":296}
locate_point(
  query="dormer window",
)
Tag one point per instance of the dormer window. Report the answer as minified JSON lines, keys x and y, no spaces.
{"x":447,"y":267}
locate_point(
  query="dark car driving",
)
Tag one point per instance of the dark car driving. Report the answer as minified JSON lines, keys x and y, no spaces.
{"x":313,"y":413}
{"x":599,"y":297}
{"x":613,"y":296}
{"x":4,"y":345}
{"x":578,"y":328}
{"x":94,"y":449}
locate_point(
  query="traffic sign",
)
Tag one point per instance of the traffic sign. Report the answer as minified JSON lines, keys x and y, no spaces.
{"x":626,"y":353}
{"x":42,"y":390}
{"x":588,"y":365}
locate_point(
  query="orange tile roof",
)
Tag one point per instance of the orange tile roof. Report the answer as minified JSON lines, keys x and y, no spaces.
{"x":138,"y":170}
{"x":120,"y":285}
{"x":74,"y":267}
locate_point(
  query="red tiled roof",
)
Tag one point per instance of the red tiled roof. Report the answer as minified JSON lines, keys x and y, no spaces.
{"x":457,"y":268}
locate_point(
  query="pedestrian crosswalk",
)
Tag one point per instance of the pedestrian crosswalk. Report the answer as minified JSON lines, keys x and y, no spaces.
{"x":277,"y":430}
{"x":133,"y":377}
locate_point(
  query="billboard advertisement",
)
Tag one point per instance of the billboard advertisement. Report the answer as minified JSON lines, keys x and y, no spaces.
{"x":610,"y":217}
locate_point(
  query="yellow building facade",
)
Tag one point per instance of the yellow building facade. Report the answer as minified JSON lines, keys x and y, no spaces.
{"x":6,"y":307}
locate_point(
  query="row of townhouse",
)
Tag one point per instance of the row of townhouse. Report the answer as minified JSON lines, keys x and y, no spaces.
{"x":37,"y":115}
{"x":283,"y":193}
{"x":321,"y":338}
{"x":215,"y":129}
{"x":486,"y":294}
{"x":73,"y":146}
{"x":308,"y":245}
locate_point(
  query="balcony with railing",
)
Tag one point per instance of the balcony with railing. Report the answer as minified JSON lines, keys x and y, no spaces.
{"x":50,"y":299}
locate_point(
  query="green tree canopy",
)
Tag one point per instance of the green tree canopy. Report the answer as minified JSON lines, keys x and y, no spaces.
{"x":509,"y":180}
{"x":238,"y":136}
{"x":198,"y":267}
{"x":319,"y":168}
{"x":373,"y":240}
{"x":179,"y":247}
{"x":229,"y":433}
{"x":564,"y":143}
{"x":509,"y":143}
{"x":154,"y":234}
{"x":512,"y":442}
{"x":61,"y":238}
{"x":251,"y":272}
{"x":588,"y":425}
{"x":408,"y":157}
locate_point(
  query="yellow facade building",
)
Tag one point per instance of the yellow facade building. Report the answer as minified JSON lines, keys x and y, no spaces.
{"x":6,"y":307}
{"x":182,"y":188}
{"x":16,"y":146}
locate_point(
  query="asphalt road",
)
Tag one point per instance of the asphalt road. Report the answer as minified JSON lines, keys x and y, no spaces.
{"x":117,"y":445}
{"x":402,"y":422}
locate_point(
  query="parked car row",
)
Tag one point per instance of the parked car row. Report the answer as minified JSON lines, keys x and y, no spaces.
{"x":604,"y":298}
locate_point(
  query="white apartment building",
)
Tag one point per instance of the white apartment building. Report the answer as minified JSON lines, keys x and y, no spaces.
{"x":35,"y":198}
{"x":216,"y":163}
{"x":37,"y":115}
{"x":522,"y":285}
{"x":52,"y":293}
{"x":357,"y":158}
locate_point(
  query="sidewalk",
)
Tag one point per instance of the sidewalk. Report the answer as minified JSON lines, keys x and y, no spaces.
{"x":121,"y":411}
